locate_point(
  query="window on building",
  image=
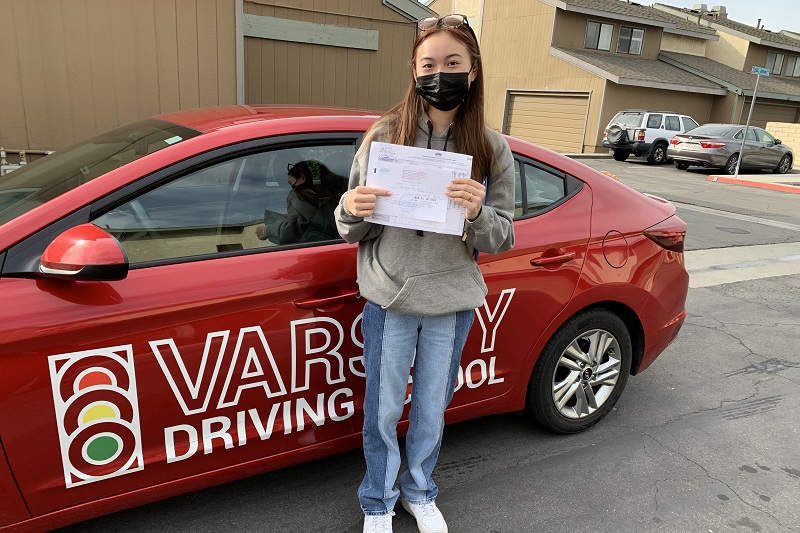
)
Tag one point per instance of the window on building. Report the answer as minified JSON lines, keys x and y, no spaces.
{"x":792,"y":67}
{"x":630,"y":40}
{"x":774,"y":62}
{"x":598,"y":35}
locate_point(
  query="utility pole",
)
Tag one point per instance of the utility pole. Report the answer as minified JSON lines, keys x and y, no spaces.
{"x":758,"y":71}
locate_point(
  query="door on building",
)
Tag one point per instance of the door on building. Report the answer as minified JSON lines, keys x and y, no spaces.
{"x":553,"y":119}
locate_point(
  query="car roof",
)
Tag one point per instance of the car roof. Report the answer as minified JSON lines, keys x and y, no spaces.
{"x":215,"y":118}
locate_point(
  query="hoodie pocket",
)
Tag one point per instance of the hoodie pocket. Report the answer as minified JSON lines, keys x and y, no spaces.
{"x":440,"y":293}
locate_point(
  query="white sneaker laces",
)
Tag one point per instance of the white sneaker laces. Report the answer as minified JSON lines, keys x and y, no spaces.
{"x":428,"y":509}
{"x":381,"y":523}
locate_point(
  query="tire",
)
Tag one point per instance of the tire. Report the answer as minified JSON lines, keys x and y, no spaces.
{"x":680,"y":165}
{"x":783,"y":165}
{"x":621,"y":155}
{"x":586,"y":393}
{"x":658,"y":154}
{"x":616,"y":134}
{"x":730,"y":166}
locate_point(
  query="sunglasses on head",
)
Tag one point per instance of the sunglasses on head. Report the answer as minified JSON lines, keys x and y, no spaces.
{"x":452,"y":21}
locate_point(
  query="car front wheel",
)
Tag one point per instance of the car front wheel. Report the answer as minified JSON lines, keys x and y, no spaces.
{"x":680,"y":165}
{"x":783,"y":165}
{"x":581,"y":373}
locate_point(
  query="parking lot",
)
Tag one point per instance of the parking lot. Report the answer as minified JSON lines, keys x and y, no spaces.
{"x":703,"y":441}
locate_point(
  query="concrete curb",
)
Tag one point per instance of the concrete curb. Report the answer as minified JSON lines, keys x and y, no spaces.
{"x":759,"y":184}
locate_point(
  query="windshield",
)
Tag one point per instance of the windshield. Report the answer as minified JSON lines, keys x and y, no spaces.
{"x":631,"y":120}
{"x":57,"y":173}
{"x":711,"y":130}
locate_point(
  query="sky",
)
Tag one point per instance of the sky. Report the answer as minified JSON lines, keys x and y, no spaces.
{"x":775,"y":15}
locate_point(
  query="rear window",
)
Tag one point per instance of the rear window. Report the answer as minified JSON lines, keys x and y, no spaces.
{"x":712,"y":130}
{"x":57,"y":173}
{"x":629,"y":119}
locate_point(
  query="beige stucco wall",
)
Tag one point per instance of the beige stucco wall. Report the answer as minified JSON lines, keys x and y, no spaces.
{"x":726,"y":109}
{"x":570,"y":32}
{"x":683,"y":44}
{"x":516,"y":40}
{"x":72,"y":70}
{"x":729,"y":50}
{"x":473,"y":9}
{"x":788,"y":133}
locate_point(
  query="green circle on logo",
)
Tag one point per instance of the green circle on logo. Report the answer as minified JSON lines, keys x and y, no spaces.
{"x":102,"y":448}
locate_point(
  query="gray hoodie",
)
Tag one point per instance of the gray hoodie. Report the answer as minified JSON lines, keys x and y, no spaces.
{"x":431,"y":273}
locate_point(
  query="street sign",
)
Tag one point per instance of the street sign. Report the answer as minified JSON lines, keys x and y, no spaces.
{"x":760,"y":71}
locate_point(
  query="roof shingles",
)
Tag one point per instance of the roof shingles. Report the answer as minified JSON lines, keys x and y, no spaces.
{"x":626,"y":67}
{"x":639,"y":11}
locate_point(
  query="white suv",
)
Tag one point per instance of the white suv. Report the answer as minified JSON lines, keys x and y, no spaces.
{"x":644,"y":133}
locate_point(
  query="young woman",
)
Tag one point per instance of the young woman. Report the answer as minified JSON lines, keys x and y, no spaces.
{"x":309,"y":206}
{"x":422,"y":288}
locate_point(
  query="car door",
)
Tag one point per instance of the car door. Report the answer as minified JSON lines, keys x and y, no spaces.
{"x":769,"y":154}
{"x":751,"y":157}
{"x":218,"y":349}
{"x":529,"y":285}
{"x":672,"y":126}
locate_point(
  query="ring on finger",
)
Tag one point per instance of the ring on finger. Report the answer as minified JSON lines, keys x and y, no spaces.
{"x":470,"y":197}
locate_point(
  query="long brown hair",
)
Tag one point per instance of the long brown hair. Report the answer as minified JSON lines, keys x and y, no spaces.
{"x":469,"y":129}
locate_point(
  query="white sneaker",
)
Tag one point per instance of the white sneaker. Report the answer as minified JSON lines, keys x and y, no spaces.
{"x":381,"y":523}
{"x":429,"y":517}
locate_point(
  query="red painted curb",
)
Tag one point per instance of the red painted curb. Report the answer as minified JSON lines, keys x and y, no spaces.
{"x":759,"y":184}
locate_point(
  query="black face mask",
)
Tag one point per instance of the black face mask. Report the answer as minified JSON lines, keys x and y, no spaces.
{"x":444,"y":90}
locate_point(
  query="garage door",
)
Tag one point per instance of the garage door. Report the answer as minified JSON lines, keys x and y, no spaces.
{"x":763,"y":113}
{"x":555,"y":120}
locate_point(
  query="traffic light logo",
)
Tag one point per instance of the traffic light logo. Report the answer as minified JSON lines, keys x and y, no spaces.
{"x":97,"y":412}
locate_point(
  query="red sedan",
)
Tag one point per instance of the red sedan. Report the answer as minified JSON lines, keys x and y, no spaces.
{"x":153,"y":342}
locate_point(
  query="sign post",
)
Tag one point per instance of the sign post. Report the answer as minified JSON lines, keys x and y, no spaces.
{"x":758,"y":71}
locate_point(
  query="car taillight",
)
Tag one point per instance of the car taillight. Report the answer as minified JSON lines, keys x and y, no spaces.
{"x":639,"y":135}
{"x":669,"y":234}
{"x":674,"y":141}
{"x":708,"y":144}
{"x":605,"y":132}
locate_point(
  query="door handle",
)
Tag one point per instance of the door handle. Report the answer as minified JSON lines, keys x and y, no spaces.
{"x":314,"y":303}
{"x":563,"y":258}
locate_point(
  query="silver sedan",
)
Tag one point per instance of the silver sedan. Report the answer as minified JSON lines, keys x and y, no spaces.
{"x":718,"y":145}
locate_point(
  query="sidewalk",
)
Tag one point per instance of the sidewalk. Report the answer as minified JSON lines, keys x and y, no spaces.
{"x":777,"y":182}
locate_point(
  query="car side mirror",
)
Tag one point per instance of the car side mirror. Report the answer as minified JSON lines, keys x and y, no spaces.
{"x":777,"y":141}
{"x":87,"y":253}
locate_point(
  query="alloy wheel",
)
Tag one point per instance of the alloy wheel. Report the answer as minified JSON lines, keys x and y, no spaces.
{"x":586,"y":373}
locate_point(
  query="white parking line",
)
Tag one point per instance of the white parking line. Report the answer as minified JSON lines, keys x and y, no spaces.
{"x":716,"y":266}
{"x":737,"y":216}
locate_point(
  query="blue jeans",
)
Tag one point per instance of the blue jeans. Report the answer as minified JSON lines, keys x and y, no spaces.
{"x":391,"y":341}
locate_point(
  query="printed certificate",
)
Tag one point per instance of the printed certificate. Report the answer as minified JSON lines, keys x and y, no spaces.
{"x":418,"y":179}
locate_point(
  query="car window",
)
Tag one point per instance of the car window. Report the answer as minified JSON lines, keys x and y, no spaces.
{"x":244,"y":203}
{"x":654,"y":121}
{"x":517,"y":190}
{"x":542,"y":188}
{"x":673,"y":123}
{"x":763,"y":136}
{"x":713,"y":130}
{"x":751,"y":135}
{"x":688,"y":123}
{"x":60,"y":172}
{"x":629,"y":119}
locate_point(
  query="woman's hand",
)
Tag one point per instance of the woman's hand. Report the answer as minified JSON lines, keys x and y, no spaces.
{"x":361,"y":201}
{"x":469,"y":193}
{"x":261,"y":232}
